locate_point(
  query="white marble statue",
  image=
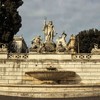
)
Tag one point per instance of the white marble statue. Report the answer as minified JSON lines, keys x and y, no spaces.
{"x":36,"y":41}
{"x":95,"y":50}
{"x":95,"y":46}
{"x":49,"y":31}
{"x":3,"y":48}
{"x":62,"y":40}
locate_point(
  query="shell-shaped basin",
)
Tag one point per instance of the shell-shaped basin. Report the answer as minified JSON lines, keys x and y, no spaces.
{"x":50,"y":75}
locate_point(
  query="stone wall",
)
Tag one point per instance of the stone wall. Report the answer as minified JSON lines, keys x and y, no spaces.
{"x":51,"y":91}
{"x":14,"y":66}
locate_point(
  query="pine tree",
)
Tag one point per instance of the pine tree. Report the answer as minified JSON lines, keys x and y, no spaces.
{"x":86,"y":39}
{"x":10,"y":20}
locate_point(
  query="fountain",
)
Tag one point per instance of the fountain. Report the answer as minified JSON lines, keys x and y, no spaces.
{"x":50,"y":70}
{"x":50,"y":74}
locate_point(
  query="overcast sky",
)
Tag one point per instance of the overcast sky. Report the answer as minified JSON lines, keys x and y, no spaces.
{"x":71,"y":16}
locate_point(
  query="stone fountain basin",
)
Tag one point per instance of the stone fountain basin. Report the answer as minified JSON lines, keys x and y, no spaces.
{"x":50,"y":75}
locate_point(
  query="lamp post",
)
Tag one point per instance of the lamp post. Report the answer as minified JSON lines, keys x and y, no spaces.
{"x":78,"y":44}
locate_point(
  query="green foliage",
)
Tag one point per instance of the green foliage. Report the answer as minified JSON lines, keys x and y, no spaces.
{"x":10,"y":20}
{"x":87,"y":39}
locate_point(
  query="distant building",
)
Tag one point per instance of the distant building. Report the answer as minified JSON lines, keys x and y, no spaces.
{"x":19,"y":45}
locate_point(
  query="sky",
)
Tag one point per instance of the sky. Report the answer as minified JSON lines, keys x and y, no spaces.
{"x":71,"y":16}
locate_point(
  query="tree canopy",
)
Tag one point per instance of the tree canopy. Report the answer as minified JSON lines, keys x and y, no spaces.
{"x":10,"y":20}
{"x":86,"y":39}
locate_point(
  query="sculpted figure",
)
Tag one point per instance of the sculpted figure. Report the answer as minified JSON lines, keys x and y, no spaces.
{"x":61,"y":45}
{"x":3,"y":48}
{"x":71,"y":44}
{"x":95,"y":46}
{"x":49,"y":31}
{"x":95,"y":50}
{"x":36,"y":42}
{"x":62,"y":40}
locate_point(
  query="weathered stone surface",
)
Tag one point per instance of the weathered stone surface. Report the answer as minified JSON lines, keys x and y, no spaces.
{"x":48,"y":91}
{"x":87,"y":73}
